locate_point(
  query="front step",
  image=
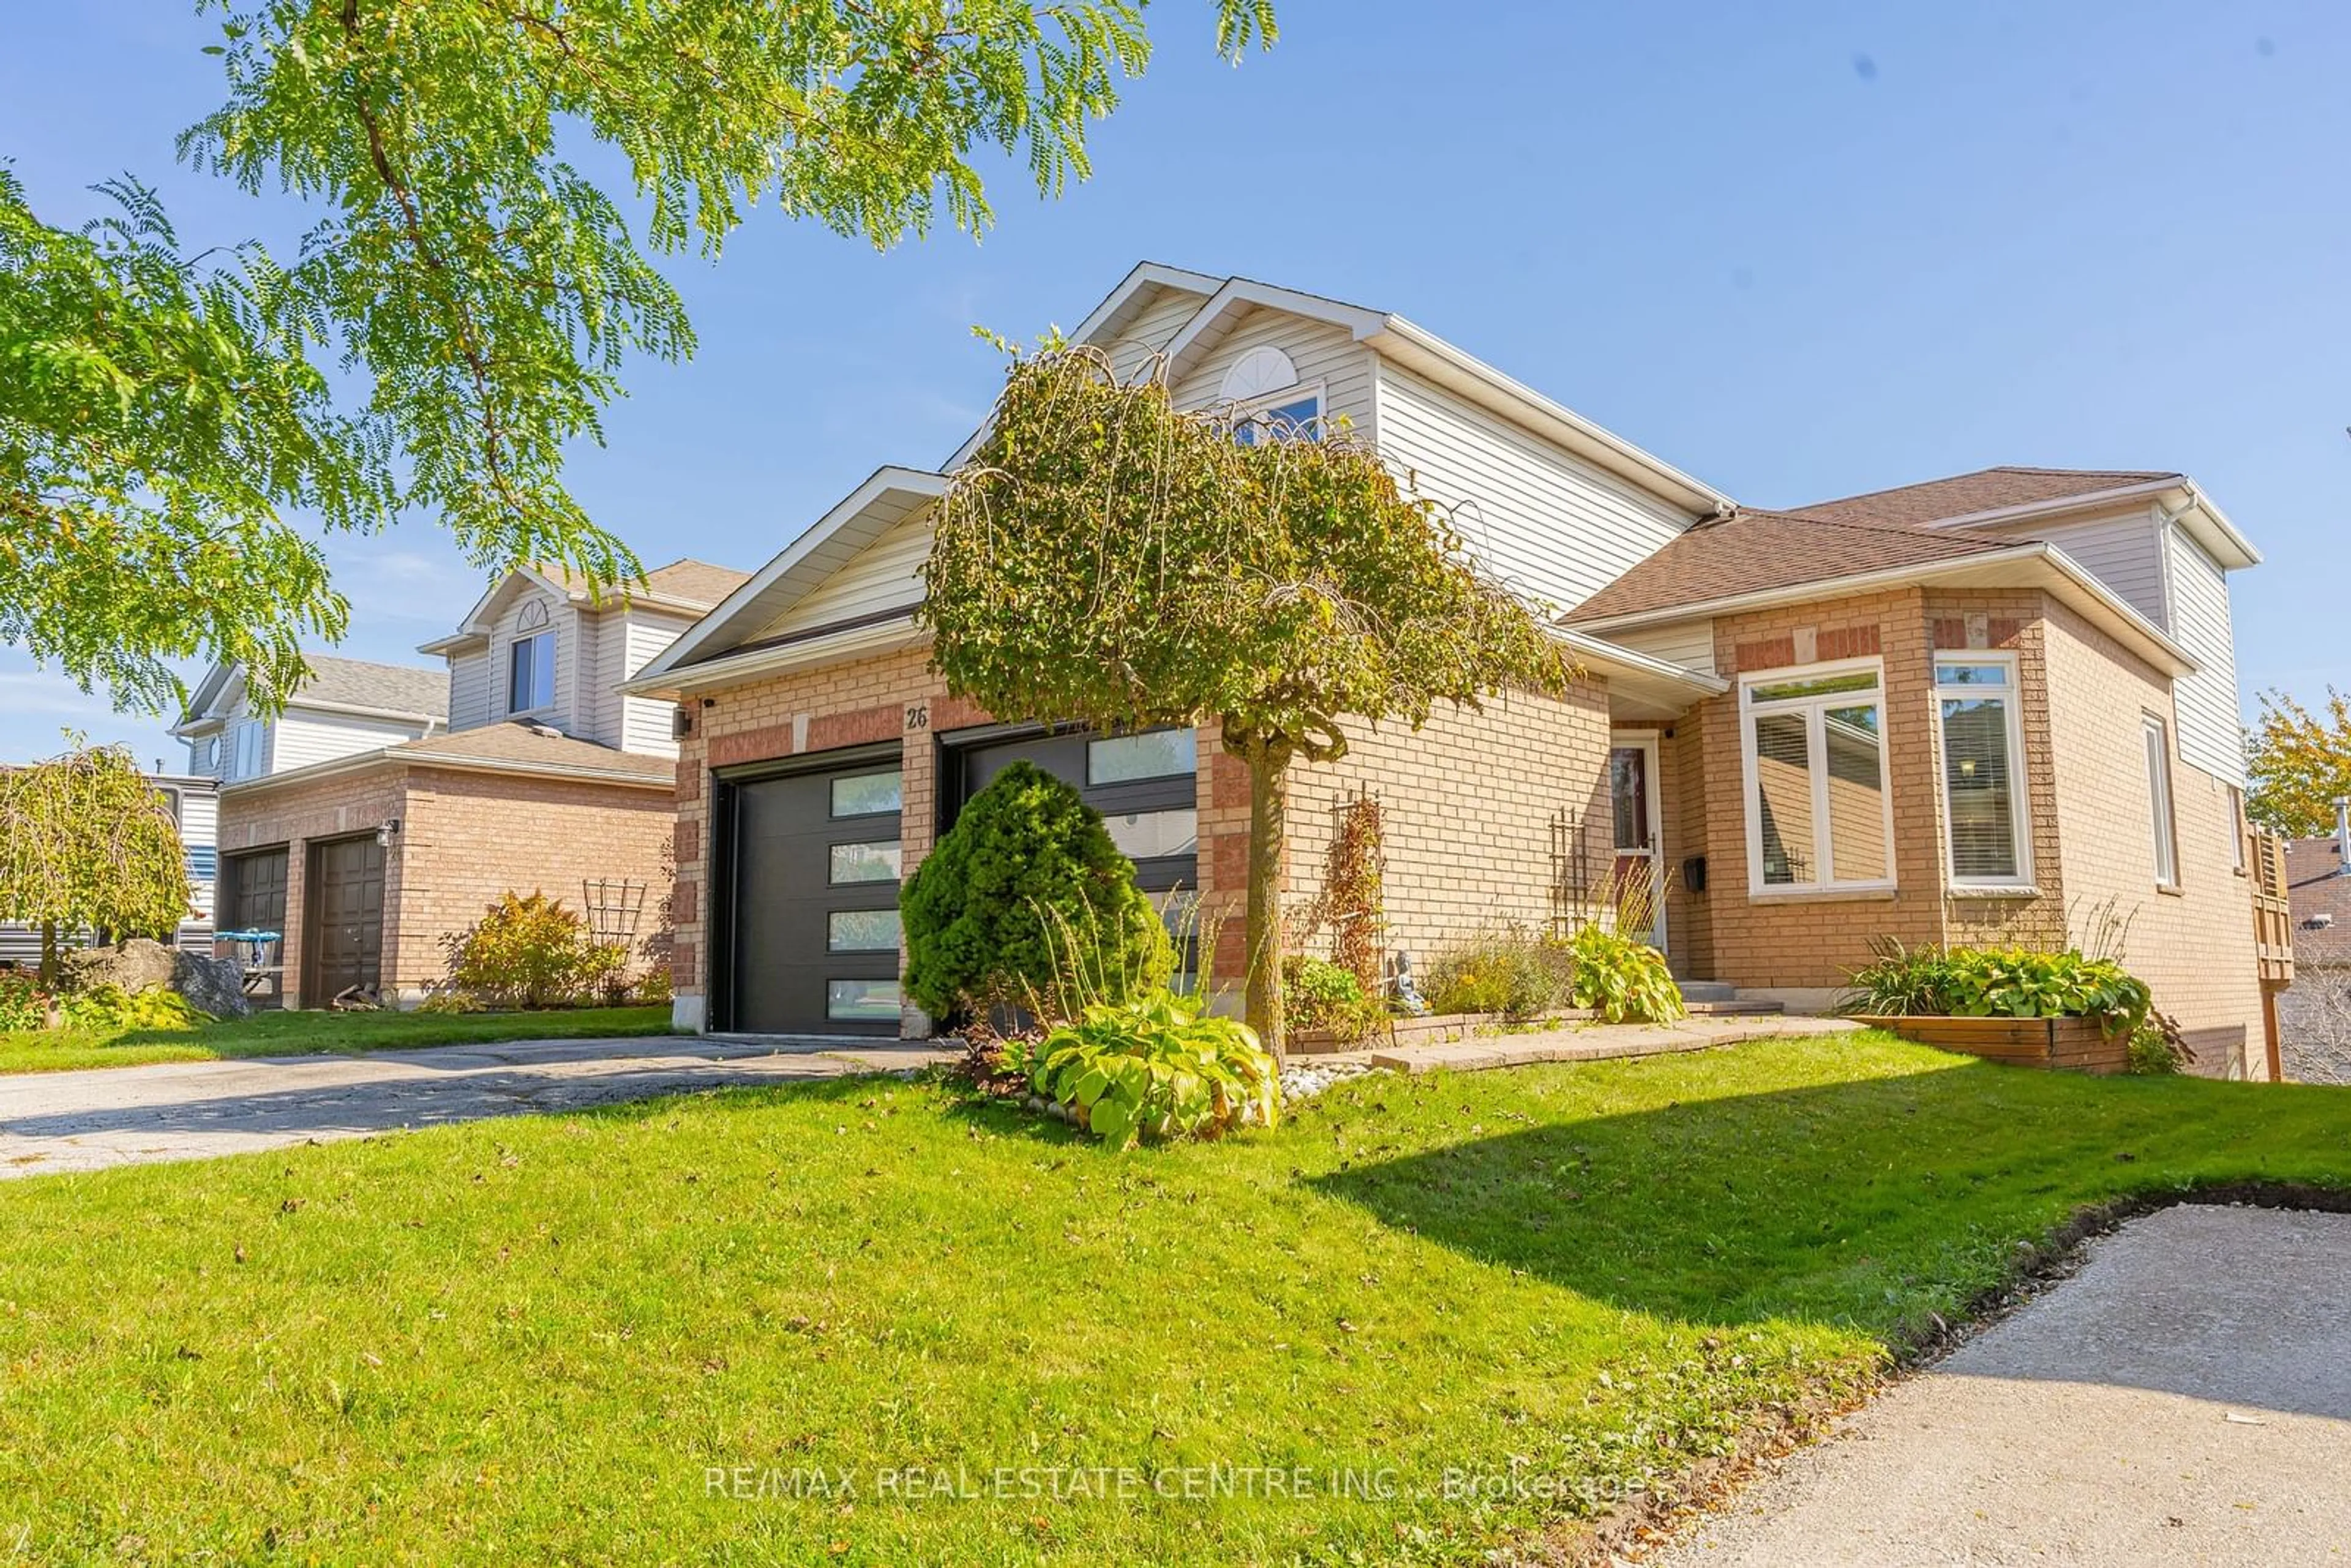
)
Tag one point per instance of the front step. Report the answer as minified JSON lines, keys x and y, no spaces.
{"x":1720,"y":999}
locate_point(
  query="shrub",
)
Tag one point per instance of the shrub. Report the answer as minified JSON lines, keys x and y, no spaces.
{"x":1028,"y":872}
{"x":2156,"y":1047}
{"x":1997,"y":982}
{"x":530,"y":951}
{"x":1620,"y":978}
{"x":1155,"y":1066}
{"x":23,"y":1004}
{"x":1505,"y":969}
{"x":1323,"y":996}
{"x":107,"y":1008}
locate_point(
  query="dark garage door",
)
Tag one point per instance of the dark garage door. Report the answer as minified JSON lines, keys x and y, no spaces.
{"x":1142,"y":784}
{"x":253,"y":898}
{"x":346,"y":909}
{"x":814,"y":866}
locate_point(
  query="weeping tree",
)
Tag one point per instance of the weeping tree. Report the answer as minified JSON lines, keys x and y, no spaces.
{"x":1108,"y":559}
{"x":87,"y":843}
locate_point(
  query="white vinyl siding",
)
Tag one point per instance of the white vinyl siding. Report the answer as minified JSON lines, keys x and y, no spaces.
{"x":306,"y":738}
{"x":469,"y":691}
{"x":1150,"y":328}
{"x":1553,"y":525}
{"x":1327,"y":358}
{"x":2205,"y":702}
{"x":644,"y":722}
{"x":1689,"y":643}
{"x":2125,"y":553}
{"x":882,"y":576}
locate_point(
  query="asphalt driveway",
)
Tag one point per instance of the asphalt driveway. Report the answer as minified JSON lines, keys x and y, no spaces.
{"x":194,"y":1110}
{"x":2186,"y":1398}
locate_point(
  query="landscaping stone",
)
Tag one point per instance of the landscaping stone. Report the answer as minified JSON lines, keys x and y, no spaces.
{"x":215,"y":985}
{"x":1599,"y":1042}
{"x":133,"y":966}
{"x":1305,"y":1079}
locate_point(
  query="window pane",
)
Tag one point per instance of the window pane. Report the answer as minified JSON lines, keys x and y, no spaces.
{"x":1977,"y":787}
{"x":530,"y":674}
{"x":1783,"y":797}
{"x":877,"y":862}
{"x":866,"y":794}
{"x":1628,"y":796}
{"x":1857,"y":847}
{"x":861,"y":1001}
{"x":861,"y":931}
{"x":1956,"y":674}
{"x":2158,"y":795}
{"x":1299,"y":420}
{"x":1149,"y":834}
{"x":1162,"y":754}
{"x":1818,"y":686}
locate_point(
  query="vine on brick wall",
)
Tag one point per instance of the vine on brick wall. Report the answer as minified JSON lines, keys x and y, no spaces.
{"x":1353,"y":902}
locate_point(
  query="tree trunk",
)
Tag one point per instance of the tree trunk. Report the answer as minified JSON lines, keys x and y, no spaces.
{"x":49,"y":955}
{"x":1267,"y":830}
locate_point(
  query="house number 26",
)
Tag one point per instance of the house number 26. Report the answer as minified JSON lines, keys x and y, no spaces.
{"x":918,"y":715}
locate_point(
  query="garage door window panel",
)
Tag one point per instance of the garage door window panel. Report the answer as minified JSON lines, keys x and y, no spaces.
{"x":877,"y":794}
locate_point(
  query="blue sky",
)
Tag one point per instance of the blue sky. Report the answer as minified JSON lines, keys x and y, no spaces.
{"x":1799,"y":250}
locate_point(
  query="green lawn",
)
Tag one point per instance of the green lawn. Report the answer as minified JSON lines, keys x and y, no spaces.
{"x":539,"y":1339}
{"x":301,"y":1033}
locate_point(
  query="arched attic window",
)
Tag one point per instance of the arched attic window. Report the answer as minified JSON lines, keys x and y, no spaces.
{"x":1263,"y":388}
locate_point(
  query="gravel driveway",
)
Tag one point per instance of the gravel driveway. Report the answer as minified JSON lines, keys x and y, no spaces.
{"x":2186,"y":1398}
{"x":194,"y":1110}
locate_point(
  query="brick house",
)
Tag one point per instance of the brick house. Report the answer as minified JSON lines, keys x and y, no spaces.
{"x":1802,"y":664}
{"x":386,"y":806}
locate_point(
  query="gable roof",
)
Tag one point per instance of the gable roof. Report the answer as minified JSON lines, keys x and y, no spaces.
{"x":1750,"y":551}
{"x":1985,"y":490}
{"x":510,"y":746}
{"x":686,"y":587}
{"x":348,"y":685}
{"x":1390,"y":336}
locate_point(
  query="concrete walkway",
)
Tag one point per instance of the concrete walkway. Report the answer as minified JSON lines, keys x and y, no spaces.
{"x":2185,"y":1399}
{"x":194,"y":1110}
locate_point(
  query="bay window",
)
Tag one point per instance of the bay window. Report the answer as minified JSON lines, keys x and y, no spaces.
{"x":1984,"y":819}
{"x":1819,"y":817}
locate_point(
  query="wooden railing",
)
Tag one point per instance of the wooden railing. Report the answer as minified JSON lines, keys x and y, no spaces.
{"x":2273,"y":916}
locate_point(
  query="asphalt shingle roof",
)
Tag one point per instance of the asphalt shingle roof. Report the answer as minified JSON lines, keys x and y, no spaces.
{"x":1965,"y":495}
{"x":521,"y":741}
{"x":393,"y":688}
{"x":2314,"y":886}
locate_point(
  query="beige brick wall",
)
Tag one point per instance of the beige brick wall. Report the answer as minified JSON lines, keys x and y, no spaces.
{"x":1467,"y":804}
{"x":465,"y":837}
{"x":2194,"y":947}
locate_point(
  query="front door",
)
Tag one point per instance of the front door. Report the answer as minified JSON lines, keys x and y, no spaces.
{"x":1637,"y":882}
{"x":345,"y":906}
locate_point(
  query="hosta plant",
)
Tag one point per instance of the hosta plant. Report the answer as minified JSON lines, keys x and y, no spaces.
{"x":1621,"y":979}
{"x":1155,"y":1066}
{"x":1998,"y":982}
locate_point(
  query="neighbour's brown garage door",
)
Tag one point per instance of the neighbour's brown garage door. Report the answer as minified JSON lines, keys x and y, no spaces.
{"x":810,"y":866}
{"x":345,"y":909}
{"x":253,"y":898}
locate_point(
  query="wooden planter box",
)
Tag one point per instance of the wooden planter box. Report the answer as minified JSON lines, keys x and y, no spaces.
{"x":1434,"y":1029}
{"x":2071,"y":1045}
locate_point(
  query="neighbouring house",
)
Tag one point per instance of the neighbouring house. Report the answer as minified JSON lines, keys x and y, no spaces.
{"x":2315,"y":1015}
{"x":194,"y":803}
{"x":387,"y":806}
{"x":1996,"y":706}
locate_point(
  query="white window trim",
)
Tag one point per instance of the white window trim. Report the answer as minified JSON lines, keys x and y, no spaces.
{"x":2163,"y":824}
{"x":2020,"y":772}
{"x":1816,"y":746}
{"x":553,"y":697}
